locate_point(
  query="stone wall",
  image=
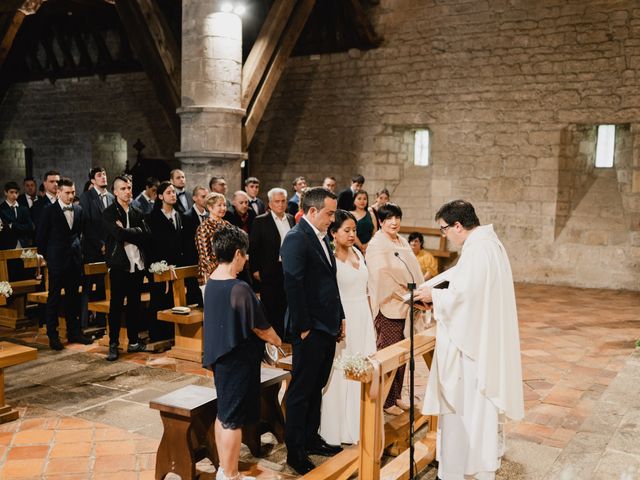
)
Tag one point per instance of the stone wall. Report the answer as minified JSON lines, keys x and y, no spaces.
{"x":511,"y":92}
{"x":75,"y":124}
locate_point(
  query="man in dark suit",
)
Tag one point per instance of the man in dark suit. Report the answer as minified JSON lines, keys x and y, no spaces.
{"x":346,"y":197}
{"x":241,"y":215}
{"x":16,"y":218}
{"x":59,"y":240}
{"x":93,"y":202}
{"x":218,"y":184}
{"x":184,"y":201}
{"x":144,"y":202}
{"x":267,"y":235}
{"x":50,"y":183}
{"x":126,"y":236}
{"x":314,"y":322}
{"x":299,"y":184}
{"x":191,"y":221}
{"x":252,"y":187}
{"x":30,"y":195}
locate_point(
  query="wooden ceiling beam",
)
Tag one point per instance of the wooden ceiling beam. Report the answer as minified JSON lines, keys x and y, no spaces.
{"x":13,"y":14}
{"x":276,"y":68}
{"x":263,"y":48}
{"x":153,"y":42}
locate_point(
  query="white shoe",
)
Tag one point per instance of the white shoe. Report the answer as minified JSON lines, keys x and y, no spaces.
{"x":221,"y":476}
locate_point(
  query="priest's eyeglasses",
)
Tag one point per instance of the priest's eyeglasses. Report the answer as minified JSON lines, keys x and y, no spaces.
{"x":443,"y":229}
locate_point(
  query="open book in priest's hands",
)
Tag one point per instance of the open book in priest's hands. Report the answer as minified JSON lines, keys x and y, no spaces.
{"x":439,"y":281}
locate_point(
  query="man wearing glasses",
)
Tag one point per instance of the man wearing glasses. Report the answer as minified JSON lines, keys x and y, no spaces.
{"x":477,"y":377}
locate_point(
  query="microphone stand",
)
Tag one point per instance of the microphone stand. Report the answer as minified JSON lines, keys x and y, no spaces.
{"x":412,"y":367}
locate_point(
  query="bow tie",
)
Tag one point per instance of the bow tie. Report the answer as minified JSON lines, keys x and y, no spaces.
{"x":68,"y":208}
{"x":180,"y":193}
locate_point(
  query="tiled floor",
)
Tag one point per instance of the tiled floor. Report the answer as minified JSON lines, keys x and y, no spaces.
{"x":574,"y":342}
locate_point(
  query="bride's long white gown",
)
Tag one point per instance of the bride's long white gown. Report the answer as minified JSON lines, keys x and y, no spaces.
{"x":340,"y":419}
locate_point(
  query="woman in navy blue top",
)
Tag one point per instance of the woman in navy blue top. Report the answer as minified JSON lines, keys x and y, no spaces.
{"x":235,"y":329}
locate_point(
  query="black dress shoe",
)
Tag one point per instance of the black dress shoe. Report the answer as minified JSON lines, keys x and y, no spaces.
{"x":80,"y":338}
{"x":56,"y":344}
{"x":136,"y":347}
{"x":300,"y":462}
{"x":113,"y":352}
{"x":321,"y":447}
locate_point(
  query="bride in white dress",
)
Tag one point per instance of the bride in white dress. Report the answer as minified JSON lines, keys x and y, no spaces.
{"x":340,"y":420}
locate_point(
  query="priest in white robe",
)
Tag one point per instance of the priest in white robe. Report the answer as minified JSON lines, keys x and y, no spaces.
{"x":476,"y":375}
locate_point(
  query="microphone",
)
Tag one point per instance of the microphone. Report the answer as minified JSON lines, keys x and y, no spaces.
{"x":397,"y":254}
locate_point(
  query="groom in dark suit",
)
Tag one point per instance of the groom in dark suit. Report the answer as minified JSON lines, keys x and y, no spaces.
{"x":265,"y":239}
{"x":314,"y":322}
{"x":58,"y":239}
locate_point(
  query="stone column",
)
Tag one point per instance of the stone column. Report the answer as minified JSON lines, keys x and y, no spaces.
{"x":211,"y":112}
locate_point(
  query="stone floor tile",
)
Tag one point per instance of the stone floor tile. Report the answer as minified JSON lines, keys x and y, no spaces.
{"x":68,"y":465}
{"x":74,"y":423}
{"x":32,"y":437}
{"x":115,"y":463}
{"x":120,"y":476}
{"x":28,"y":452}
{"x":83,"y":449}
{"x":116,"y":447}
{"x":6,"y":438}
{"x":563,"y":396}
{"x":22,"y":468}
{"x":617,"y":465}
{"x":74,"y":436}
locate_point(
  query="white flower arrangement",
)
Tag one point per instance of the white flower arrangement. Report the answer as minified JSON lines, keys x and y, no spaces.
{"x":29,"y":254}
{"x":5,"y":289}
{"x":353,"y":365}
{"x":160,"y":267}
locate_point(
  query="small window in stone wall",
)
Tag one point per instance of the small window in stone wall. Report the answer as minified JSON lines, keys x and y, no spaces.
{"x":421,"y":148}
{"x":605,"y":146}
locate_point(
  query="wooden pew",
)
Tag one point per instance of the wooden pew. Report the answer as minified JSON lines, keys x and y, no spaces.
{"x":188,"y":327}
{"x":444,"y":256}
{"x":13,"y":314}
{"x":367,"y":462}
{"x":12,"y":354}
{"x":188,"y":416}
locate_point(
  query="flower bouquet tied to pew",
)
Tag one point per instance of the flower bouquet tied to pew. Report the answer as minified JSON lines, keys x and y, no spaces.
{"x":5,"y":289}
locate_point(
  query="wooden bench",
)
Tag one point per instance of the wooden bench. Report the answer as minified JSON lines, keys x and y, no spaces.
{"x":13,"y":314}
{"x":444,"y":256}
{"x":188,"y":416}
{"x":188,"y":327}
{"x":12,"y":354}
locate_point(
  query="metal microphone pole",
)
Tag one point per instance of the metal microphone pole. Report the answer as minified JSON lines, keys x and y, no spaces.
{"x":412,"y":367}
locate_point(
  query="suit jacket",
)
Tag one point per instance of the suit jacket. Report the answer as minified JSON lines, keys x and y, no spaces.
{"x":345,"y":200}
{"x":166,"y":240}
{"x":262,"y":208}
{"x":59,"y":244}
{"x":179,"y":207}
{"x":142,"y":204}
{"x":38,"y":208}
{"x":293,"y":204}
{"x":190,"y":223}
{"x":264,"y":246}
{"x":93,"y":231}
{"x":234,"y":219}
{"x":310,"y":284}
{"x":137,"y":233}
{"x":18,"y":229}
{"x":22,"y":200}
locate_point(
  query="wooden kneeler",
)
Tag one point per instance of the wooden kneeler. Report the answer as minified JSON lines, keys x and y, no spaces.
{"x":13,"y":313}
{"x":188,"y":328}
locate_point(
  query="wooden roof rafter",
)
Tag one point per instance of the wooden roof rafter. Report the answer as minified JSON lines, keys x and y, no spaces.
{"x":11,"y":17}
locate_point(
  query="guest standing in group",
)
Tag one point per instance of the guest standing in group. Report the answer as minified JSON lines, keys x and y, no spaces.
{"x":183,"y":199}
{"x":340,"y":421}
{"x":265,"y":262}
{"x":144,"y":201}
{"x":205,"y":234}
{"x":165,"y":223}
{"x":16,"y":218}
{"x":299,"y":184}
{"x":218,"y":184}
{"x":315,"y":322}
{"x":330,"y":184}
{"x":59,"y":241}
{"x":93,"y":203}
{"x":252,"y":187}
{"x":392,"y":265}
{"x":428,"y":263}
{"x":382,"y":198}
{"x":235,"y":330}
{"x":476,"y":375}
{"x":191,"y":221}
{"x":30,"y":194}
{"x":126,"y":239}
{"x":49,"y":196}
{"x":241,"y":215}
{"x":367,"y":223}
{"x":346,"y":197}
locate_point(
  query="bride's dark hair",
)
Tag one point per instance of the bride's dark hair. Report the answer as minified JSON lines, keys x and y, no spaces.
{"x":341,"y":217}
